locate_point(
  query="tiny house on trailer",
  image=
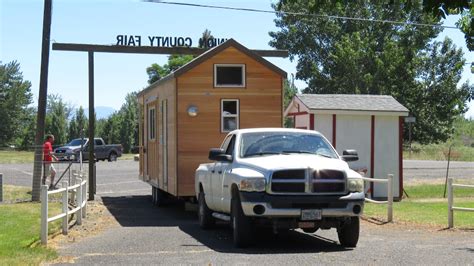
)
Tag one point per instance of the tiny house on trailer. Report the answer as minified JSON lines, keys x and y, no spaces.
{"x":370,"y":124}
{"x":191,"y":110}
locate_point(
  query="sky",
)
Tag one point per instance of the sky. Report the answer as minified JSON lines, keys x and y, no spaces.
{"x":100,"y":21}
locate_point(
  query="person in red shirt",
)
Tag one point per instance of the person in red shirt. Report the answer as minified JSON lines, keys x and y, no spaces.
{"x":48,"y":168}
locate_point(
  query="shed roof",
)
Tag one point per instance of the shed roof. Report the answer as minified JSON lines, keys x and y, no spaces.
{"x":210,"y":53}
{"x":351,"y":102}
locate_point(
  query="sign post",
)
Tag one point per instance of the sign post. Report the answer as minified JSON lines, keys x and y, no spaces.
{"x":410,"y":120}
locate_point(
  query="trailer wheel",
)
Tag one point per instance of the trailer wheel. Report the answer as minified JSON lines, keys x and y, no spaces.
{"x":206,"y":221}
{"x":348,"y":233}
{"x":158,"y":197}
{"x":241,"y":224}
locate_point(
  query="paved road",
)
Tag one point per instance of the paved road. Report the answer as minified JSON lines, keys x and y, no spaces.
{"x":121,"y":176}
{"x":414,"y":170}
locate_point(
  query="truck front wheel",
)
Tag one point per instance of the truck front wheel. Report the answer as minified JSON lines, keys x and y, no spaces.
{"x":241,"y":224}
{"x":348,"y":233}
{"x":206,"y":220}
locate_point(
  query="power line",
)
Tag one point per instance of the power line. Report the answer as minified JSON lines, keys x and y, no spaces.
{"x":300,"y":14}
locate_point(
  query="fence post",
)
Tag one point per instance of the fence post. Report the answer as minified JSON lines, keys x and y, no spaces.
{"x":44,"y":214}
{"x":65,"y":208}
{"x":390,"y":198}
{"x":450,"y":203}
{"x":79,"y":201}
{"x":1,"y":187}
{"x":84,"y":199}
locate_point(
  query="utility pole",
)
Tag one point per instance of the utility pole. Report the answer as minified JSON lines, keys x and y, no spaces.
{"x":43,"y":93}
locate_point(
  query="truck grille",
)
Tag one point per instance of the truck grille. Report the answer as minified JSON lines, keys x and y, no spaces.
{"x":308,"y":181}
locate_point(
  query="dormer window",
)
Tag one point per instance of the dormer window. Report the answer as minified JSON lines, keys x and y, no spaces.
{"x":229,"y":75}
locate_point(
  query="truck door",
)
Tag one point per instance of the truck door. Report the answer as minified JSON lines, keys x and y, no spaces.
{"x":223,"y":169}
{"x":216,"y":179}
{"x":99,"y":149}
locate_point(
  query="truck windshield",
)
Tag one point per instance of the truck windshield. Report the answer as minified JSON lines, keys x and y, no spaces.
{"x":77,"y":142}
{"x":267,"y":143}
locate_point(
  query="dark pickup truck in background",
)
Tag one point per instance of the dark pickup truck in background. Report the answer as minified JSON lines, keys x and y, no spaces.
{"x":102,"y":151}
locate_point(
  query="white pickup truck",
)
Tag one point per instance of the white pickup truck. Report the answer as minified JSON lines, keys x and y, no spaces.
{"x":283,"y":179}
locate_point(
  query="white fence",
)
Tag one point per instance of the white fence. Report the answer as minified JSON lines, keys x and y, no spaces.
{"x":452,"y":208}
{"x":78,"y":200}
{"x":389,"y":200}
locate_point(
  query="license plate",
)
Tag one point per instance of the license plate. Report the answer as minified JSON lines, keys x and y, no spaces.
{"x":310,"y":215}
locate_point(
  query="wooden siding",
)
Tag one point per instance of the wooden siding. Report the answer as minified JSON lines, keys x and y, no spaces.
{"x":260,"y":106}
{"x":141,"y":140}
{"x":152,"y":159}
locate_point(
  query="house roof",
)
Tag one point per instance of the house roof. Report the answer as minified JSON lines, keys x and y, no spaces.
{"x":210,"y":53}
{"x":351,"y":102}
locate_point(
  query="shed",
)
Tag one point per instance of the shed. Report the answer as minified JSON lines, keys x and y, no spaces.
{"x":191,"y":110}
{"x":371,"y":124}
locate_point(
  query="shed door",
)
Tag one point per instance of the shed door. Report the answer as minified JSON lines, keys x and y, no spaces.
{"x":151,"y":154}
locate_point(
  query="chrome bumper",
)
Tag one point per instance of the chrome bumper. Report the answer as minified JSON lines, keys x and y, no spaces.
{"x":353,"y":200}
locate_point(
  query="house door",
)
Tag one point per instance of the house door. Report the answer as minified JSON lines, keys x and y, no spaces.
{"x":164,"y":142}
{"x":151,"y":143}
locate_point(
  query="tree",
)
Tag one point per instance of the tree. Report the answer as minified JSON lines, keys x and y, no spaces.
{"x":290,"y":91}
{"x":111,"y":128}
{"x":15,"y":96}
{"x":128,"y":127}
{"x":465,"y":8}
{"x":366,"y":57}
{"x":437,"y":100}
{"x":26,"y":137}
{"x":78,"y":123}
{"x":57,"y":117}
{"x":156,"y":72}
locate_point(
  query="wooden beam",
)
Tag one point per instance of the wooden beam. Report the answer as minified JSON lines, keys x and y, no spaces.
{"x":150,"y":49}
{"x":91,"y":126}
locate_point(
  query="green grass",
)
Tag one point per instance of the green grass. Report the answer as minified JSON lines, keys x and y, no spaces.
{"x":426,"y":205}
{"x":16,"y":157}
{"x":20,"y":229}
{"x":439,"y":152}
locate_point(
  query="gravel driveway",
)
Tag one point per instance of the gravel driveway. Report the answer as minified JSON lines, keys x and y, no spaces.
{"x":146,"y":235}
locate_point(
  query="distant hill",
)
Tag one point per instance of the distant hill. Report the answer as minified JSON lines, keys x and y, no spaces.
{"x":101,"y":111}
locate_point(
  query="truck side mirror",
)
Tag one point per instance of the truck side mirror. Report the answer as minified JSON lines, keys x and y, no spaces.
{"x":216,"y":154}
{"x":350,"y":155}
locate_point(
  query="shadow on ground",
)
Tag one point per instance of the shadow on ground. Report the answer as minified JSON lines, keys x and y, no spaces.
{"x":131,"y":211}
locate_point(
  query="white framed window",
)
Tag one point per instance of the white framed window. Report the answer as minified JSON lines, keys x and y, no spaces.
{"x":229,"y":115}
{"x":229,"y":75}
{"x":152,"y":123}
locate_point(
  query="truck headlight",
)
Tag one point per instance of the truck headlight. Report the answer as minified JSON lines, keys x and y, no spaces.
{"x":252,"y":184}
{"x":355,"y":184}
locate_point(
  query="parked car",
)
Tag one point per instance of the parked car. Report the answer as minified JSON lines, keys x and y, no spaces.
{"x":102,"y":151}
{"x":283,"y":179}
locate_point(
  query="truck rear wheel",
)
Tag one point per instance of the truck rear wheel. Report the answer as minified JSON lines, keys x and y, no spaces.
{"x":348,"y":233}
{"x":112,"y":157}
{"x":241,"y":224}
{"x":206,"y":220}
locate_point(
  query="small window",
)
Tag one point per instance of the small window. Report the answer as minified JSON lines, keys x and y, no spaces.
{"x":229,"y":75}
{"x":229,"y":115}
{"x":98,"y":142}
{"x":151,"y":124}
